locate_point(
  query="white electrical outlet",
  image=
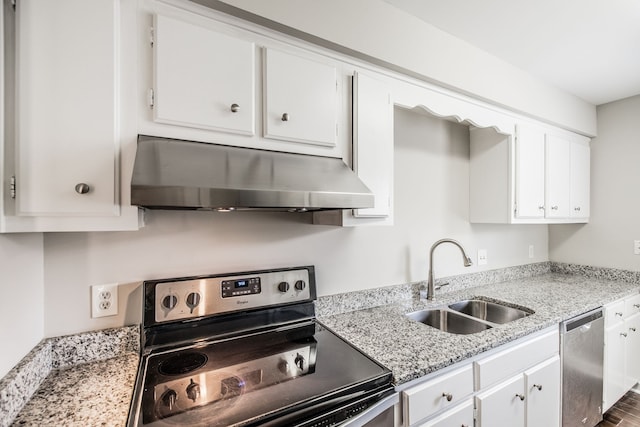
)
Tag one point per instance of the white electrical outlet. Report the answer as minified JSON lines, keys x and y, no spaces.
{"x":482,"y":256}
{"x":104,"y":300}
{"x":530,"y":251}
{"x":636,"y":247}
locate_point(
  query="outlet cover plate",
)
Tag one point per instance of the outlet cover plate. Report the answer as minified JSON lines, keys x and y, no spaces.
{"x":104,"y":300}
{"x":482,"y":256}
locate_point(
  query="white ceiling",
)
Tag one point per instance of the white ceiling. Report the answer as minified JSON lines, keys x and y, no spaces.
{"x":590,"y":48}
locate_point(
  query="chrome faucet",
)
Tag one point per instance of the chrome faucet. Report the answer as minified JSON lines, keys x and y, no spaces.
{"x":467,"y":263}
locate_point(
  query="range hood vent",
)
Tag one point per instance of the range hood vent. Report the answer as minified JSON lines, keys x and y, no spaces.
{"x":177,"y":174}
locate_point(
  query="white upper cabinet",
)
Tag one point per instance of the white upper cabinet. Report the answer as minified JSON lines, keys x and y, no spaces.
{"x":210,"y":78}
{"x":529,"y":173}
{"x":372,"y":152}
{"x":202,"y":78}
{"x":68,"y":60}
{"x":558,"y":177}
{"x":580,"y":179}
{"x":300,"y":99}
{"x":540,"y":176}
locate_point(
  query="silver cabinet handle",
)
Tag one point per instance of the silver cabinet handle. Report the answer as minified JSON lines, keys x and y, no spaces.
{"x":448,"y":396}
{"x":541,"y":207}
{"x":636,"y":305}
{"x":538,"y":386}
{"x":285,"y":117}
{"x":82,"y":188}
{"x":554,"y":208}
{"x":520,"y":396}
{"x":577,"y":208}
{"x":235,"y":108}
{"x":619,"y":313}
{"x":624,"y":334}
{"x":632,"y":329}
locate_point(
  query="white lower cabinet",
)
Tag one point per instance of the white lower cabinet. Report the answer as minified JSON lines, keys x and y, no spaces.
{"x":442,"y":392}
{"x":502,"y":405}
{"x":621,"y":348}
{"x":515,"y":385}
{"x":530,"y":399}
{"x":460,"y":416}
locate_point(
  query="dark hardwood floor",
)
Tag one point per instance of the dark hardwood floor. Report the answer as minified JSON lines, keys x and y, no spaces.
{"x":625,"y":413}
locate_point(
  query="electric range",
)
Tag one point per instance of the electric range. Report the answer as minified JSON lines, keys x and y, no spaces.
{"x":245,"y":349}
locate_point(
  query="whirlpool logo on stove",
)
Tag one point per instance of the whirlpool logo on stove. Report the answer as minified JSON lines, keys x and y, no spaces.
{"x":242,"y":301}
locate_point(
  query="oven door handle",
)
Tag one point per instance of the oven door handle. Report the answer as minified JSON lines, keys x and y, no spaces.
{"x":388,"y":403}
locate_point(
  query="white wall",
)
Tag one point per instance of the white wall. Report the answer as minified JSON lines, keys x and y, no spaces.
{"x":432,"y":165}
{"x":21,"y":305}
{"x":379,"y":30}
{"x":607,"y":240}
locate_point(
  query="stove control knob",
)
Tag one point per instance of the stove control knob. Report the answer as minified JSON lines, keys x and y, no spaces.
{"x":193,"y":390}
{"x":300,"y":285}
{"x":283,"y":287}
{"x":193,"y":299}
{"x":284,"y":367}
{"x":169,"y":302}
{"x":299,"y":361}
{"x":169,"y":399}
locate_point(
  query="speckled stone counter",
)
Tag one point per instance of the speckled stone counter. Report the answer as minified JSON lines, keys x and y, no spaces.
{"x":70,"y":370}
{"x":91,"y":394}
{"x":412,"y":350}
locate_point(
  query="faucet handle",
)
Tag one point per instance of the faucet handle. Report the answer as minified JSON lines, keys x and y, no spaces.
{"x":440,"y":286}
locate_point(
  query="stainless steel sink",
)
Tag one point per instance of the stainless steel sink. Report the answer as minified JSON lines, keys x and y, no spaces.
{"x":469,"y":316}
{"x":448,"y":321}
{"x":489,"y":311}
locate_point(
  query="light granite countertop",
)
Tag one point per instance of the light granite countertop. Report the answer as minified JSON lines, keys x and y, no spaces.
{"x":412,"y":350}
{"x":91,"y":394}
{"x":98,"y":393}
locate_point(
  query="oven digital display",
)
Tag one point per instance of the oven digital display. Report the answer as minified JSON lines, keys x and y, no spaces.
{"x":241,"y":287}
{"x":241,"y":283}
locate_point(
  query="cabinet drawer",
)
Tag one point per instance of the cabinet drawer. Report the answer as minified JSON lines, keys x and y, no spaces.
{"x":614,"y":313}
{"x":631,"y":305}
{"x":516,"y":359}
{"x":425,"y":399}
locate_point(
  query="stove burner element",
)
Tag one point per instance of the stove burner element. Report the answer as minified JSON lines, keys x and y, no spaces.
{"x":182,"y":363}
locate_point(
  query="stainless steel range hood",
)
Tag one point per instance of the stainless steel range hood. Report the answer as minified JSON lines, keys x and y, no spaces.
{"x":177,"y":174}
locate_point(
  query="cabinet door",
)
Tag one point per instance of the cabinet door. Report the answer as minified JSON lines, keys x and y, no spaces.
{"x":373,"y":142}
{"x":529,"y":172}
{"x":557,"y":177}
{"x":300,"y":99}
{"x":68,"y":60}
{"x":460,"y":416}
{"x":580,"y":180}
{"x":632,"y":325}
{"x":502,"y":405}
{"x":542,"y":383}
{"x":203,"y":79}
{"x":614,"y":364}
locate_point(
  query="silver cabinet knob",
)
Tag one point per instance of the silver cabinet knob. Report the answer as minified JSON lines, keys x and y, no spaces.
{"x":285,"y":117}
{"x":554,"y":208}
{"x":632,"y":329}
{"x":624,"y":334}
{"x":541,"y":207}
{"x":636,"y":305}
{"x":577,"y":208}
{"x":448,"y":396}
{"x":538,"y":386}
{"x":520,"y":396}
{"x":619,"y":313}
{"x":235,"y":108}
{"x":82,"y":188}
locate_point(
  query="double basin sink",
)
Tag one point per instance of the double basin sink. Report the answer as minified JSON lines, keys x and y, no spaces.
{"x":469,"y":316}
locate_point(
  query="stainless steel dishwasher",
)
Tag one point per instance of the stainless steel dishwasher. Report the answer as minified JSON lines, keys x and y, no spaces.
{"x":582,"y":353}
